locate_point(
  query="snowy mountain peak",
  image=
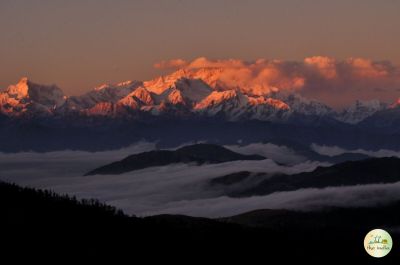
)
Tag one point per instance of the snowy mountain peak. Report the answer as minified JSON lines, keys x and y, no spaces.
{"x":194,"y":90}
{"x":368,"y":104}
{"x":119,"y":86}
{"x":27,"y":96}
{"x":275,"y":103}
{"x":360,"y":110}
{"x":111,"y":93}
{"x":159,"y":85}
{"x":175,"y":97}
{"x":20,"y":90}
{"x":142,"y":95}
{"x":101,"y":87}
{"x":126,"y":83}
{"x":218,"y":97}
{"x":209,"y":77}
{"x":24,"y":79}
{"x":186,"y":91}
{"x":302,"y":105}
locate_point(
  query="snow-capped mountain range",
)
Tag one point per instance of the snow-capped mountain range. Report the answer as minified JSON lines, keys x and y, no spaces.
{"x":360,"y":110}
{"x":183,"y":92}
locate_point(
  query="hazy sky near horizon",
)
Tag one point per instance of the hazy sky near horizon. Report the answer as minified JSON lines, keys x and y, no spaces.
{"x":80,"y":44}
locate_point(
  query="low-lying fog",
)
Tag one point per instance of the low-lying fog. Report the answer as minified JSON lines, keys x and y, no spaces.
{"x":184,"y":189}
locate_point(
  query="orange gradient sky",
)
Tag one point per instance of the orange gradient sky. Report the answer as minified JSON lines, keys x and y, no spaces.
{"x":80,"y":44}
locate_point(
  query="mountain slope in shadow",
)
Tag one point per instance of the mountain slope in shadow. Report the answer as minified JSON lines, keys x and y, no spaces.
{"x":198,"y":153}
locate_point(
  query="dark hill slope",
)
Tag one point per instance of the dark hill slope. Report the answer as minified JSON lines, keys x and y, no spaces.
{"x":198,"y":153}
{"x":41,"y":226}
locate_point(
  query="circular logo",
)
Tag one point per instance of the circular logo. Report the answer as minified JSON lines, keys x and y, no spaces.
{"x":378,"y":243}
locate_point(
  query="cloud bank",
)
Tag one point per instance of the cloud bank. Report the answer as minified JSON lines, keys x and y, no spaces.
{"x":180,"y":188}
{"x":303,"y":200}
{"x":337,"y":82}
{"x":336,"y":150}
{"x":142,"y":192}
{"x":184,"y":189}
{"x":280,"y":154}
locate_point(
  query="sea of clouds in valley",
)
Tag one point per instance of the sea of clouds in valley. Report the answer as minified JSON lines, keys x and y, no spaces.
{"x":336,"y":150}
{"x":181,"y":188}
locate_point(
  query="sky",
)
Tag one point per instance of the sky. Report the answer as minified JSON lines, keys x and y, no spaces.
{"x":79,"y":44}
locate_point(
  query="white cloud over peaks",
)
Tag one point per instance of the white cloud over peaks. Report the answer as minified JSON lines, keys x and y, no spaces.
{"x":175,"y":63}
{"x":317,"y":77}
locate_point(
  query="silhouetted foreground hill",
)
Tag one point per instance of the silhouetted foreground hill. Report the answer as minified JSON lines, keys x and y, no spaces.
{"x":198,"y":153}
{"x":42,"y":226}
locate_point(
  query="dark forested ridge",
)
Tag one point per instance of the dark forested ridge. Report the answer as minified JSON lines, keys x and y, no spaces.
{"x":197,"y":153}
{"x":40,"y":225}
